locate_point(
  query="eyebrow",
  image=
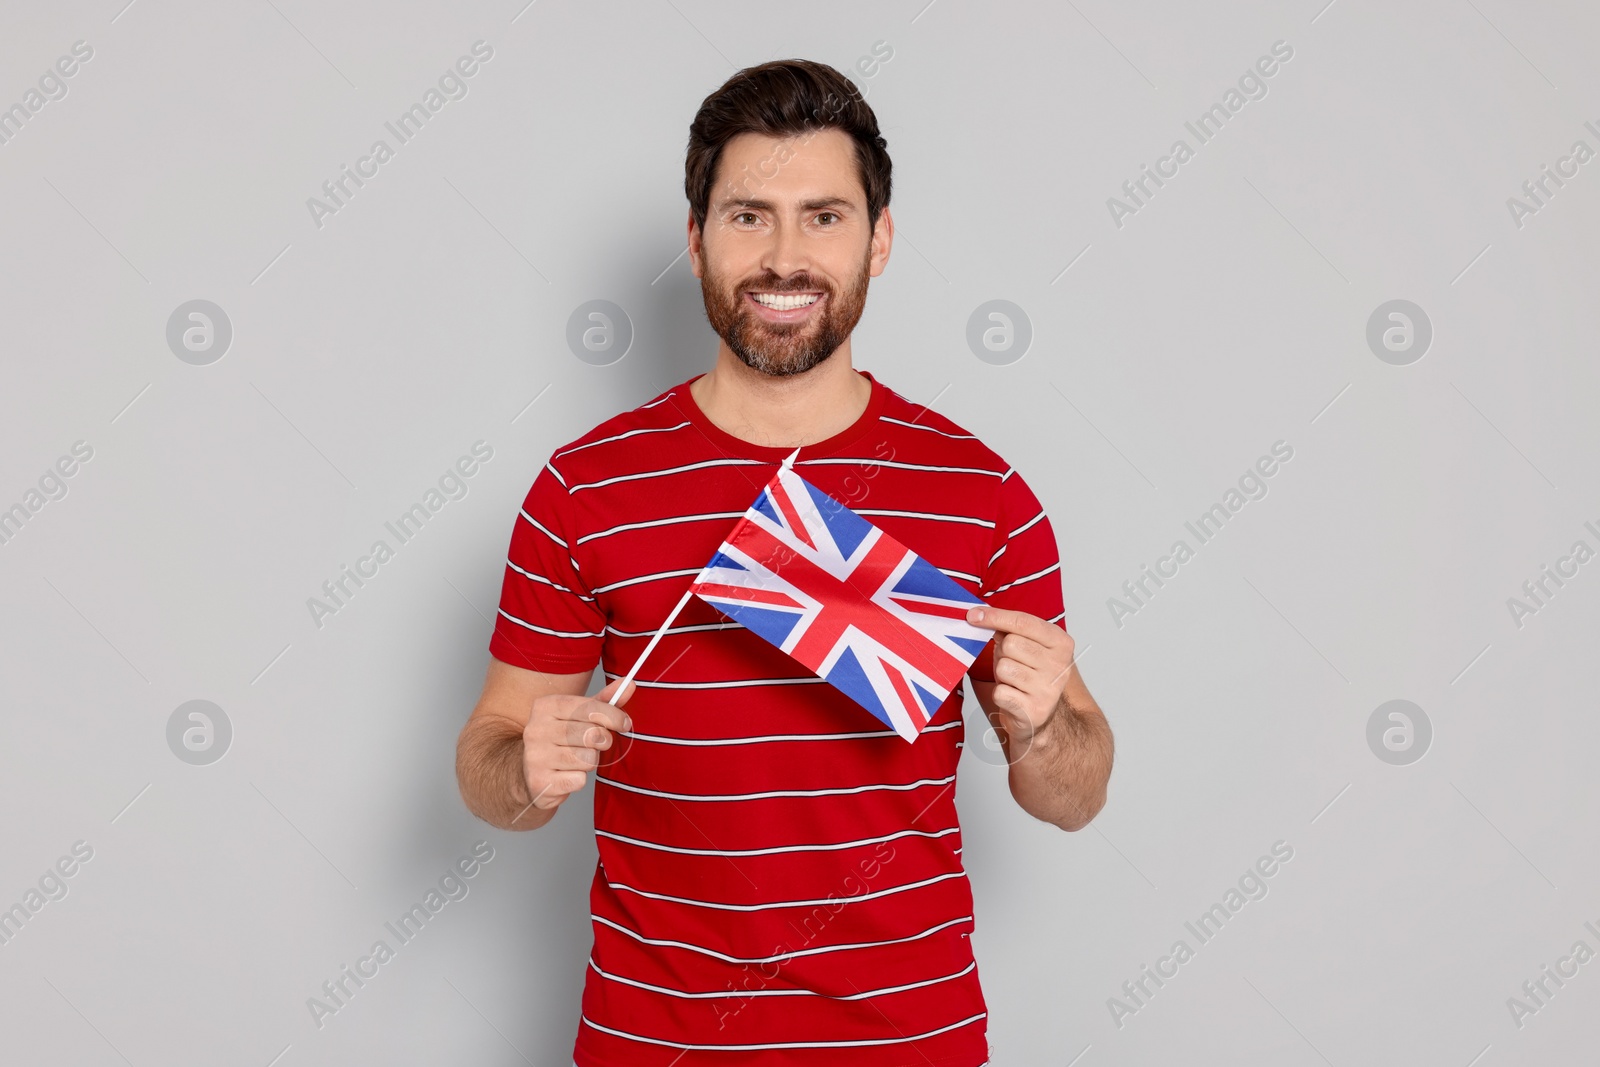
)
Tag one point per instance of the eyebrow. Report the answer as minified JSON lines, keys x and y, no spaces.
{"x":767,"y":205}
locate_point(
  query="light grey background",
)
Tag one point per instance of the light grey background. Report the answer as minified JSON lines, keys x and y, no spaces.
{"x":1230,"y":312}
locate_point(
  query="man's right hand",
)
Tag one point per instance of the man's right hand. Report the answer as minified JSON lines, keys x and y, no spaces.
{"x":563,"y":740}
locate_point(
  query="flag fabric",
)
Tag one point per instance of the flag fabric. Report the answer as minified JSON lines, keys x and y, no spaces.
{"x":843,"y":598}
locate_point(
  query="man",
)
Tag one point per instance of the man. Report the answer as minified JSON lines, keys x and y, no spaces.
{"x":780,"y":877}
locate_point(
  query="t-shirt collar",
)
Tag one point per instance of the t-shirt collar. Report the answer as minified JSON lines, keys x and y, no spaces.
{"x":738,"y":446}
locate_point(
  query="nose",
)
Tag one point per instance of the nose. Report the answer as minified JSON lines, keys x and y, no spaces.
{"x":785,"y":253}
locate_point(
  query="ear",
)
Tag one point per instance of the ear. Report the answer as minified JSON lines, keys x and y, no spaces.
{"x":882,"y":241}
{"x":696,"y":249}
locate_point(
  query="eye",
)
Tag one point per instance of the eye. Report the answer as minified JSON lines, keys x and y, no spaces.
{"x":747,"y":218}
{"x":827,"y":218}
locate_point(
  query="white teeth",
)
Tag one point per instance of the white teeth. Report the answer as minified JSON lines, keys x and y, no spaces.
{"x":783,"y":301}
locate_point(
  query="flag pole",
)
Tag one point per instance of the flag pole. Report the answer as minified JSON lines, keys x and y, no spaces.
{"x":788,"y":464}
{"x":634,"y":670}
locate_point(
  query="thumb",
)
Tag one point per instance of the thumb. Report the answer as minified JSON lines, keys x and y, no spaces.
{"x":610,"y":690}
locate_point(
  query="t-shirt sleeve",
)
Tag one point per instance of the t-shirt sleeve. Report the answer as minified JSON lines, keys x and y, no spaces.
{"x":1024,"y":568}
{"x":548,"y":619}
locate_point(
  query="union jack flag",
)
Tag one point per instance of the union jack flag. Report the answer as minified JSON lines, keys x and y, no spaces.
{"x":846,"y":600}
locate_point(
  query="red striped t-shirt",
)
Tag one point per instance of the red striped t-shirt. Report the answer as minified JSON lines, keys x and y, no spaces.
{"x":780,"y":879}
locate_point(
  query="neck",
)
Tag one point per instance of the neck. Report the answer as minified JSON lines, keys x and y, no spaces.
{"x":785,"y":412}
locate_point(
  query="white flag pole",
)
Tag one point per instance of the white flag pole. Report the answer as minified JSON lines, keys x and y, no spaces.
{"x":788,"y":464}
{"x":634,"y":670}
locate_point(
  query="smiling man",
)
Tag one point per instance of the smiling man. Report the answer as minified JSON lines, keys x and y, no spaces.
{"x":780,"y":879}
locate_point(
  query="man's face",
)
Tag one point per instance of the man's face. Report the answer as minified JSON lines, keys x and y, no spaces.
{"x":786,"y":251}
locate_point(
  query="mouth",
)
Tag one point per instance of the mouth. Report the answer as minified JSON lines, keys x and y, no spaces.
{"x":785,"y":307}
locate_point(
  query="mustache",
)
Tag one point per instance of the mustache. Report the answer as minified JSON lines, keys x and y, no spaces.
{"x":795,"y":283}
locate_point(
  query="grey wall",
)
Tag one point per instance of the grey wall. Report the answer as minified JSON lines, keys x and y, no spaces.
{"x":1172,"y":345}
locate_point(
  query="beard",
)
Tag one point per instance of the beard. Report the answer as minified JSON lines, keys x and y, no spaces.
{"x":784,"y":349}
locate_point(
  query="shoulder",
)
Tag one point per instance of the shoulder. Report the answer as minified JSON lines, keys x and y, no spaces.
{"x":648,"y":428}
{"x":931,"y":436}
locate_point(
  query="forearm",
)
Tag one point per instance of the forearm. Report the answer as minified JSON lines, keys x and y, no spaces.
{"x":1061,"y":777}
{"x":490,"y":775}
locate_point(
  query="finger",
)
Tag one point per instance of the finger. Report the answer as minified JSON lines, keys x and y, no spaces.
{"x":1008,"y":697}
{"x":570,"y":758}
{"x":591,"y":710}
{"x":1019,"y":677}
{"x":577,"y":733}
{"x":608,"y":715}
{"x":558,"y":787}
{"x":1023,"y":649}
{"x":1008,"y":621}
{"x":611,"y":688}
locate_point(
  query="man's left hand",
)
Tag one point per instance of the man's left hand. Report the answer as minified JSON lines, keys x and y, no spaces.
{"x":1032,"y":661}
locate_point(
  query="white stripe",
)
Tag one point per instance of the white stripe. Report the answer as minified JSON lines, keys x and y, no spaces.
{"x":540,"y":527}
{"x":1000,"y":553}
{"x":874,"y":462}
{"x":1027,"y":578}
{"x":1009,"y":472}
{"x":670,"y":470}
{"x":930,"y":931}
{"x":1025,"y":525}
{"x":973,"y":578}
{"x":843,"y":791}
{"x":674,"y":629}
{"x":620,"y":436}
{"x":759,"y":739}
{"x":558,"y":477}
{"x":660,"y":522}
{"x":874,"y":895}
{"x":546,"y":581}
{"x":776,"y":851}
{"x":715,"y":994}
{"x":924,"y":515}
{"x":785,"y":1044}
{"x":930,"y":429}
{"x":542,"y":630}
{"x":721,"y":685}
{"x":646,"y":578}
{"x":1058,"y":618}
{"x":662,"y":400}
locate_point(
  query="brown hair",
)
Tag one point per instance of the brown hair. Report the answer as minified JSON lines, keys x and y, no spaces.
{"x":784,"y":98}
